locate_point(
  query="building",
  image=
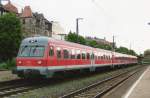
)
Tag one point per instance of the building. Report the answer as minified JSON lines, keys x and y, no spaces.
{"x":8,"y":8}
{"x":34,"y":23}
{"x":100,"y":41}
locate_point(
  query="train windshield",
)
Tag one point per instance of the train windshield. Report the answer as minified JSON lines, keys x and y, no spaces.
{"x":31,"y":51}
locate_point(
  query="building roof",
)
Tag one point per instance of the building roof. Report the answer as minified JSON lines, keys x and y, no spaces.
{"x":39,"y":16}
{"x":27,"y":12}
{"x":99,"y":40}
{"x":10,"y":7}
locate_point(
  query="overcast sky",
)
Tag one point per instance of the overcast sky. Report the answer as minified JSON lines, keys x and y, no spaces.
{"x":126,"y":19}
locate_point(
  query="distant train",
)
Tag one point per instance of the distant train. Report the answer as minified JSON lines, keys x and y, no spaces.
{"x":45,"y":56}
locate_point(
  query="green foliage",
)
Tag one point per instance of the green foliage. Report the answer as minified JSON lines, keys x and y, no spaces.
{"x":122,"y":50}
{"x":8,"y":64}
{"x":104,"y":46}
{"x":147,"y":53}
{"x":92,"y":43}
{"x":146,"y":56}
{"x":132,"y":52}
{"x":125,"y":51}
{"x":72,"y":37}
{"x":10,"y":36}
{"x":3,"y":66}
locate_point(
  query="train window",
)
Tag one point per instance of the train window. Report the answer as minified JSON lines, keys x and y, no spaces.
{"x":95,"y":55}
{"x":58,"y":53}
{"x":109,"y":57}
{"x":88,"y":56}
{"x":83,"y":55}
{"x":104,"y":57}
{"x":37,"y":51}
{"x":31,"y":51}
{"x":78,"y":54}
{"x":24,"y":51}
{"x":73,"y":54}
{"x":66,"y":54}
{"x":51,"y":51}
{"x":101,"y":57}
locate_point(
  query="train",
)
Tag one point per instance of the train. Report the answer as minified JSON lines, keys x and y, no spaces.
{"x":45,"y":56}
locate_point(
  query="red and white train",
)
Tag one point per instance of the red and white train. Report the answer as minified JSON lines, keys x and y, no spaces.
{"x":45,"y":56}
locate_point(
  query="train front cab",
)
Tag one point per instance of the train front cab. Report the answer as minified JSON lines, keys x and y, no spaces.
{"x":32,"y":58}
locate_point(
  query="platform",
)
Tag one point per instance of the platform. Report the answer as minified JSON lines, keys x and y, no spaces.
{"x":141,"y":88}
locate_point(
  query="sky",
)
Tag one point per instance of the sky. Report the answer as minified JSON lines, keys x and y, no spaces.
{"x":127,"y":20}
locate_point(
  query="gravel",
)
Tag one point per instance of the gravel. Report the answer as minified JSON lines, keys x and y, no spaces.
{"x":7,"y":75}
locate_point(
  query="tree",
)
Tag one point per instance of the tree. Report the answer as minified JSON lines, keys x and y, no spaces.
{"x":72,"y":37}
{"x":92,"y":43}
{"x":132,"y":52}
{"x":10,"y":36}
{"x":125,"y":50}
{"x":147,"y":53}
{"x":122,"y":50}
{"x":146,"y":57}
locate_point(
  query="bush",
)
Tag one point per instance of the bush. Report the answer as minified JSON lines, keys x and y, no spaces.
{"x":10,"y":64}
{"x":3,"y":66}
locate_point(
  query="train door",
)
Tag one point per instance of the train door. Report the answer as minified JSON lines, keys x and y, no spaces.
{"x":92,"y":68}
{"x":51,"y":58}
{"x":113,"y":59}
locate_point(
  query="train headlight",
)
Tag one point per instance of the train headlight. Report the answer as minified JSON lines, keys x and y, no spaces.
{"x":39,"y":62}
{"x":19,"y":62}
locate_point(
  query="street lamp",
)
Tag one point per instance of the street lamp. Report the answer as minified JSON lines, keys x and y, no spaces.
{"x":113,"y":44}
{"x":113,"y":51}
{"x":77,"y":25}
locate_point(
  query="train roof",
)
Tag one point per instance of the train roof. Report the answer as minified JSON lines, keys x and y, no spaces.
{"x":35,"y":40}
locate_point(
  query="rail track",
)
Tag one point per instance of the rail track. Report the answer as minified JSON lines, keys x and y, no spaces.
{"x":14,"y":87}
{"x":4,"y":70}
{"x":97,"y":90}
